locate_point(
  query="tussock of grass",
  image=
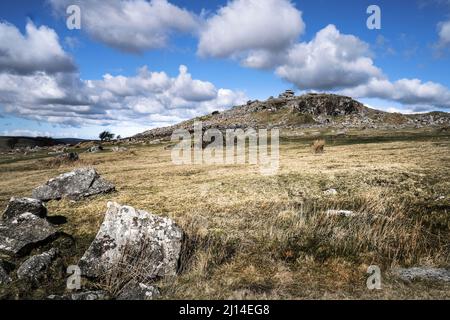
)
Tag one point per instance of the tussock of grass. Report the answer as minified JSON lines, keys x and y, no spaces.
{"x":318,"y":146}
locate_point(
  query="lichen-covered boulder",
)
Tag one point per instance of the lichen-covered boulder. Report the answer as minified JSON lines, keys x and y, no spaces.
{"x":35,"y":268}
{"x":130,"y":238}
{"x":17,"y":206}
{"x":75,"y":185}
{"x":22,"y":233}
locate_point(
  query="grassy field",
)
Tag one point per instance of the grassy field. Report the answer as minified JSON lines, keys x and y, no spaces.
{"x":268,"y":237}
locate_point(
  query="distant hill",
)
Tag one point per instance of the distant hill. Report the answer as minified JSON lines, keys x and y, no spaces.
{"x":307,"y":111}
{"x":7,"y":142}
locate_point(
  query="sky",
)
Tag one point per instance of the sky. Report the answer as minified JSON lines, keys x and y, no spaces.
{"x":136,"y":64}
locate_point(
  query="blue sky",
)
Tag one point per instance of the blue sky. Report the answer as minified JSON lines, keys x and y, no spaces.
{"x":52,"y":79}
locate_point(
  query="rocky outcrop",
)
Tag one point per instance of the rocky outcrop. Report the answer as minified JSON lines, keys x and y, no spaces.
{"x":75,"y":185}
{"x":35,"y":268}
{"x":17,"y":206}
{"x":130,"y":237}
{"x":423,"y":274}
{"x":328,"y":105}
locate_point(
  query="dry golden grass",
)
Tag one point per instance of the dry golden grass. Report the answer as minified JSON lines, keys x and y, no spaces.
{"x":267,"y":237}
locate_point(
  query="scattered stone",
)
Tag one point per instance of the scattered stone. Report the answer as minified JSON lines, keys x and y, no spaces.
{"x":17,"y":206}
{"x":119,"y":149}
{"x":330,"y":192}
{"x":24,"y":232}
{"x":126,"y":232}
{"x":423,"y":273}
{"x":79,"y":296}
{"x":75,"y":185}
{"x":71,"y":157}
{"x":35,"y":267}
{"x":138,"y":291}
{"x":94,"y":149}
{"x":341,"y":213}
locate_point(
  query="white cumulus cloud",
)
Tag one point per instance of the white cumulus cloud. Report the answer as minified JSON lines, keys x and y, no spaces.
{"x":251,"y":30}
{"x":131,"y":25}
{"x":36,"y":50}
{"x":331,"y":60}
{"x":411,"y":92}
{"x":444,"y":34}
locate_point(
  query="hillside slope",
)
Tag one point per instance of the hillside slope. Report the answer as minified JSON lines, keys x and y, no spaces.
{"x":8,"y":143}
{"x":306,"y":111}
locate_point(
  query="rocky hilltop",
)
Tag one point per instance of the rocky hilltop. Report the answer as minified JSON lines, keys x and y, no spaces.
{"x":311,"y":110}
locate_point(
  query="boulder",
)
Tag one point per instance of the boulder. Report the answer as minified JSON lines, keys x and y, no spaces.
{"x":17,"y":206}
{"x":330,"y":192}
{"x":35,"y":267}
{"x":75,"y":185}
{"x":138,"y":291}
{"x":135,"y":240}
{"x":119,"y":149}
{"x":423,"y":273}
{"x":71,"y":156}
{"x":22,"y":233}
{"x":94,"y":149}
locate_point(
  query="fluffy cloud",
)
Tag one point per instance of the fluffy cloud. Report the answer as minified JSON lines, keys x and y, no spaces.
{"x":133,"y":25}
{"x":37,"y":50}
{"x":411,"y":92}
{"x":444,"y":34}
{"x":251,"y":30}
{"x":144,"y":99}
{"x":39,"y":81}
{"x":330,"y":61}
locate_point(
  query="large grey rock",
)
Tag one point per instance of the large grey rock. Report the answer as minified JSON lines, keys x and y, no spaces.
{"x":138,"y":291}
{"x":35,"y":267}
{"x":23,"y":232}
{"x":75,"y":185}
{"x":17,"y":206}
{"x":131,"y":238}
{"x":427,"y":274}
